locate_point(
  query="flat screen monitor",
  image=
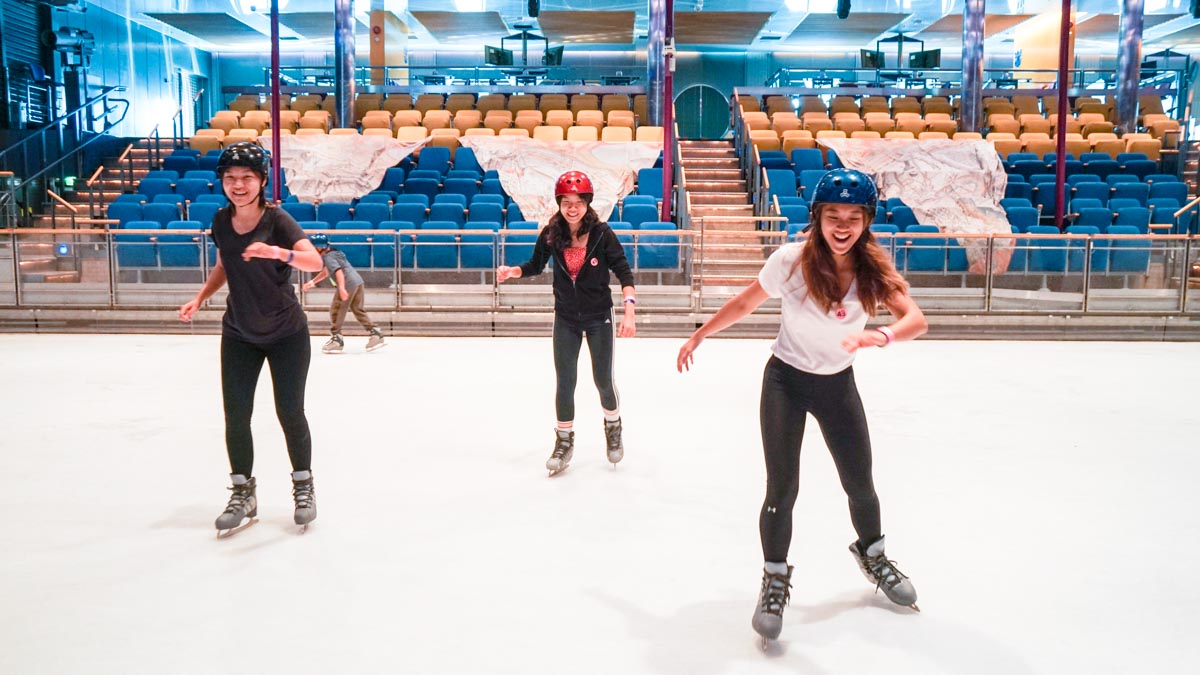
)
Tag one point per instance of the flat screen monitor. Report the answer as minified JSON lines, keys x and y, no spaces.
{"x":931,"y":58}
{"x":871,"y":59}
{"x":495,"y":56}
{"x":553,"y":56}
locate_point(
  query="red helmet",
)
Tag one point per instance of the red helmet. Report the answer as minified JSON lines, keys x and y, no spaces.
{"x":573,"y":183}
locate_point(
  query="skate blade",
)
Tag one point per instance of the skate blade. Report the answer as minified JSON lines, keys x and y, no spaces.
{"x":553,"y":474}
{"x":915,"y":608}
{"x":303,"y":529}
{"x":376,"y":347}
{"x":225,"y":534}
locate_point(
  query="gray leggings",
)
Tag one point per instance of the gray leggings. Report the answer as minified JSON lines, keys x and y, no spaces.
{"x":568,"y":339}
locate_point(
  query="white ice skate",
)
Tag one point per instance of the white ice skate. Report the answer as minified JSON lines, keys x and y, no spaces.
{"x":884,"y":574}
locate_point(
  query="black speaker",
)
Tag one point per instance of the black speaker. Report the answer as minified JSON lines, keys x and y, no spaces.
{"x":843,"y":8}
{"x":535,"y":6}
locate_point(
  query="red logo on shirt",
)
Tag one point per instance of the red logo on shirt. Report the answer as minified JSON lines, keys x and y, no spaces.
{"x":840,"y":313}
{"x":595,"y":262}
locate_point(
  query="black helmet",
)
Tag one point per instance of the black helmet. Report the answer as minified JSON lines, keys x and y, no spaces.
{"x":250,"y":155}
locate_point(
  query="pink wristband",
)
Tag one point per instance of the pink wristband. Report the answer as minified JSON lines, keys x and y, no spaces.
{"x":887,"y":334}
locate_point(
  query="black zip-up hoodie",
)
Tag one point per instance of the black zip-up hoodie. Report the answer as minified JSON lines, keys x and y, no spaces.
{"x":589,"y":295}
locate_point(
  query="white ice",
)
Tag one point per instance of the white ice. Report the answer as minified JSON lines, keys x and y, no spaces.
{"x":1041,"y":496}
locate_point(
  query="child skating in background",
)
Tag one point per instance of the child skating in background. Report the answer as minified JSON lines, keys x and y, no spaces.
{"x":350,"y":294}
{"x":829,"y":285}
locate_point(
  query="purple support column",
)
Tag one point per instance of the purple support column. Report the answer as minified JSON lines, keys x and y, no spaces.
{"x":668,"y":108}
{"x":276,"y":187}
{"x":1060,"y":147}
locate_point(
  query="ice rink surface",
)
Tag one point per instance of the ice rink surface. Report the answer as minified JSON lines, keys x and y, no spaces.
{"x":1041,"y":495}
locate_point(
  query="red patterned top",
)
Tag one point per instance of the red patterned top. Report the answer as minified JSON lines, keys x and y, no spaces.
{"x":574,"y":257}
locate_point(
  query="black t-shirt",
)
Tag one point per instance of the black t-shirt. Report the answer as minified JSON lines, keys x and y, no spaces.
{"x":262,"y":305}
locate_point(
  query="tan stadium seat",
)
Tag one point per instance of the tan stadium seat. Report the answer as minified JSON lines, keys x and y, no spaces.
{"x":649,"y":134}
{"x":397,"y":102}
{"x":480,"y":131}
{"x":515,"y":131}
{"x":616,"y":134}
{"x":411,"y":133}
{"x":578,"y":133}
{"x":406,"y":118}
{"x":548,"y":133}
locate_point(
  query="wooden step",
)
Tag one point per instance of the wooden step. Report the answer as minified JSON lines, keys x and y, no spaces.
{"x":711,"y":164}
{"x":719,"y":198}
{"x":701,"y":174}
{"x":705,"y":186}
{"x":697,"y":143}
{"x":740,"y":210}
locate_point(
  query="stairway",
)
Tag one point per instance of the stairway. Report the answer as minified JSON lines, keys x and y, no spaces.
{"x":717,"y":188}
{"x":38,"y":260}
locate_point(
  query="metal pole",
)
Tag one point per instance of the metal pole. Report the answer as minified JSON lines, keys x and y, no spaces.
{"x":1060,"y":147}
{"x":277,"y":153}
{"x":668,"y":109}
{"x":973,"y":33}
{"x":343,"y":50}
{"x":1129,"y":59}
{"x":654,"y":63}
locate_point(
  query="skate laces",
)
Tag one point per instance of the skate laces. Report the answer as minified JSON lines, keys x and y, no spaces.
{"x":612,"y":432}
{"x":237,"y":500}
{"x":302,"y":493}
{"x":775,"y":592}
{"x":884,"y":571}
{"x":561,"y":447}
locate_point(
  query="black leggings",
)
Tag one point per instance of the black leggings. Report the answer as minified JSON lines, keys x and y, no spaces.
{"x":241,"y":363}
{"x":568,"y":338}
{"x":788,"y":395}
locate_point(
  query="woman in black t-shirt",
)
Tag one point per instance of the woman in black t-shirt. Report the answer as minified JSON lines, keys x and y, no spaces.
{"x":257,"y":247}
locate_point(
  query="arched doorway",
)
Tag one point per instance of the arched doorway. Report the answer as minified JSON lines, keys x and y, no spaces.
{"x":702,"y":112}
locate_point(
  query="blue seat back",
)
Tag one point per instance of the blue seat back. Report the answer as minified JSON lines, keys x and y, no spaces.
{"x":437,"y":251}
{"x":513,"y":214}
{"x":300,"y":211}
{"x":413,"y":212}
{"x":137,"y":250}
{"x":478,"y":251}
{"x":1098,"y":217}
{"x":373,"y":212}
{"x":422,"y":186}
{"x":202,"y":212}
{"x":1022,"y":217}
{"x":1134,"y":216}
{"x":383,"y":249}
{"x":191,"y":188}
{"x":1048,"y":254}
{"x":1077,"y":249}
{"x":434,"y":158}
{"x":448,"y":212}
{"x":332,"y":212}
{"x":154,"y":186}
{"x":637,"y":214}
{"x":181,"y":249}
{"x":124,"y":212}
{"x":357,"y":247}
{"x":393,"y":179}
{"x":1128,"y":255}
{"x":461,"y":186}
{"x":1137,"y":191}
{"x":160,"y":212}
{"x":465,"y":159}
{"x":518,"y":241}
{"x":924,"y":254}
{"x":650,"y":182}
{"x":658,"y":246}
{"x":485,"y":212}
{"x":1099,"y":191}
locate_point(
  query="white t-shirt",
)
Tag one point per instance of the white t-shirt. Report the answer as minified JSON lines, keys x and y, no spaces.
{"x":810,"y":339}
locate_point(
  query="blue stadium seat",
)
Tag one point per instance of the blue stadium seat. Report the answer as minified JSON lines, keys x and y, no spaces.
{"x":356,"y":246}
{"x":130,"y":197}
{"x":422,"y":199}
{"x":1125,"y":157}
{"x":1173,"y":189}
{"x":1014,"y":157}
{"x":1162,"y":212}
{"x":1140,"y":167}
{"x":1018,"y":190}
{"x":1047,"y":255}
{"x":164,"y":174}
{"x":161,"y":213}
{"x":1017,"y":262}
{"x":311,"y":225}
{"x":886,"y":235}
{"x":155,"y":186}
{"x":383,"y":249}
{"x":465,"y":160}
{"x":434,"y":158}
{"x":422,"y":186}
{"x":659,"y":250}
{"x":637,"y":214}
{"x":464,"y":173}
{"x":1015,"y":202}
{"x":411,"y":212}
{"x":624,"y":232}
{"x":208,"y":161}
{"x":333,"y":212}
{"x":448,"y":212}
{"x":487,"y":199}
{"x":1137,"y":191}
{"x":956,"y":256}
{"x":808,"y":181}
{"x":492,"y":186}
{"x":451,"y":198}
{"x":1021,"y":218}
{"x":183,"y":248}
{"x":202,"y":212}
{"x":462,"y":186}
{"x":518,"y":241}
{"x":191,"y":188}
{"x":393,"y":179}
{"x":1160,"y":177}
{"x":180,"y":163}
{"x":903,"y":216}
{"x":124,"y":212}
{"x":1080,"y":203}
{"x":377,"y":197}
{"x":1078,"y":178}
{"x":485,"y":212}
{"x":1027,"y":167}
{"x":218,"y":199}
{"x":1098,"y":191}
{"x":437,"y":251}
{"x":924,"y":254}
{"x":782,"y":183}
{"x":202,"y":174}
{"x":807,"y":159}
{"x":1103,"y":167}
{"x":431,"y":174}
{"x":168,"y":198}
{"x":373,"y":212}
{"x":1128,"y":255}
{"x":1098,"y":217}
{"x":300,"y":211}
{"x":1117,"y":178}
{"x":137,"y":250}
{"x":478,"y":251}
{"x":650,"y":182}
{"x":796,"y":214}
{"x":1077,"y":249}
{"x":832,"y":159}
{"x":513,"y":214}
{"x":1137,"y":217}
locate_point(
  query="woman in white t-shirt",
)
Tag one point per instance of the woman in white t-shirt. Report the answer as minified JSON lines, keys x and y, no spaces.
{"x":828,"y":285}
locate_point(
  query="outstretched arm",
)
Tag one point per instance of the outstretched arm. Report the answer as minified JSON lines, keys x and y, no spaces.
{"x":910,"y":324}
{"x":738,"y":307}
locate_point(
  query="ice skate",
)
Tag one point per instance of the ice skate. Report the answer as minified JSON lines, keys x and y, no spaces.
{"x":243,"y":505}
{"x":334,"y":346}
{"x":612,"y":433}
{"x":376,"y":340}
{"x":306,"y":499}
{"x":884,"y":574}
{"x":564,"y":449}
{"x":775,"y":594}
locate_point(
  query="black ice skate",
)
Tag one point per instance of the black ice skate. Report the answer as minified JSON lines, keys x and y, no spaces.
{"x":243,"y":505}
{"x":306,"y":499}
{"x":612,"y":433}
{"x":768,"y":613}
{"x":884,"y":574}
{"x":564,"y":449}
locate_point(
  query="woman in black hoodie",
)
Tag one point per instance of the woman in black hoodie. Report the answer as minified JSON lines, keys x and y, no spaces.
{"x":584,"y":250}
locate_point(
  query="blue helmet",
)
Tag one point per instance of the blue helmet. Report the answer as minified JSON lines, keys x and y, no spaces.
{"x":319,"y":240}
{"x":846,"y":186}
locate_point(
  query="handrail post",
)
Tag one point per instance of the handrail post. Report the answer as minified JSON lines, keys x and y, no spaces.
{"x":16,"y":267}
{"x":1087,"y":270}
{"x":112,"y":268}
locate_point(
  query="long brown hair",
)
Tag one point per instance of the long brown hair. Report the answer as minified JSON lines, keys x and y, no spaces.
{"x":560,"y":230}
{"x":873,"y":268}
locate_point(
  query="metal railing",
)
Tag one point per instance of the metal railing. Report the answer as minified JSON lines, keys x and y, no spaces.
{"x":1020,"y":274}
{"x":55,"y":151}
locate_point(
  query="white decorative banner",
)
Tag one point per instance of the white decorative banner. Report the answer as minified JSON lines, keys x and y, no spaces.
{"x":323,"y":168}
{"x":955,"y":185}
{"x":529,"y":168}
